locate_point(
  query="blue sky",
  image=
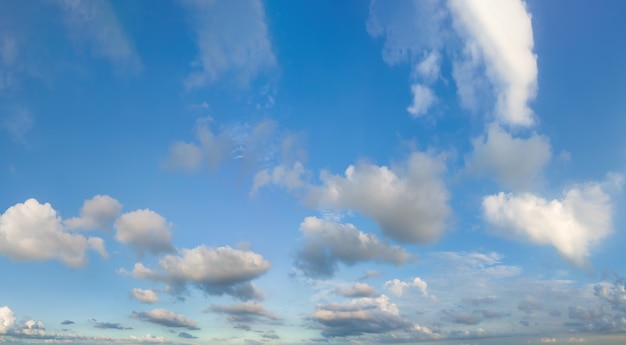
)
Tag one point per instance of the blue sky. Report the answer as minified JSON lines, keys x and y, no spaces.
{"x":355,"y":172}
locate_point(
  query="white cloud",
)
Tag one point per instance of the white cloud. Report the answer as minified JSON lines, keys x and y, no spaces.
{"x":398,"y":287}
{"x":357,"y":290}
{"x":500,"y":32}
{"x":97,"y":213}
{"x":147,"y":339}
{"x":329,"y":243}
{"x":515,"y":163}
{"x":547,"y":340}
{"x":96,"y":24}
{"x":572,"y":224}
{"x":216,"y":271}
{"x":166,"y":318}
{"x":7,"y":319}
{"x":31,"y":231}
{"x":292,"y":178}
{"x":145,"y":296}
{"x":423,"y":99}
{"x":145,"y":231}
{"x":232,"y":40}
{"x":408,"y":201}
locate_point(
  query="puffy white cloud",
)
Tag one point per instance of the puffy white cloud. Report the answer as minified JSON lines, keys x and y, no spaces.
{"x":357,"y":290}
{"x":95,"y":23}
{"x":547,"y":340}
{"x":145,"y":296}
{"x":580,"y":219}
{"x":147,"y":339}
{"x":329,"y":243}
{"x":7,"y":319}
{"x":216,"y":271}
{"x":408,"y":201}
{"x":423,"y":99}
{"x":97,"y":213}
{"x":292,"y":178}
{"x":145,"y":231}
{"x":398,"y":287}
{"x":500,"y":33}
{"x":232,"y":40}
{"x":514,"y":162}
{"x":166,"y":318}
{"x":31,"y":231}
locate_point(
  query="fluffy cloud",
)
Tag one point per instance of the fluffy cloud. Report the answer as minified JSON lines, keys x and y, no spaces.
{"x":580,"y":219}
{"x":398,"y":287}
{"x":357,"y":290}
{"x":409,"y":201}
{"x":145,"y":231}
{"x":329,"y":243}
{"x":245,"y":312}
{"x":423,"y":99}
{"x":500,"y":34}
{"x":7,"y":319}
{"x":363,"y":315}
{"x":97,"y":213}
{"x":31,"y":231}
{"x":96,"y":24}
{"x":215,"y":271}
{"x":232,"y":40}
{"x":514,"y":162}
{"x":145,"y":296}
{"x":166,"y":318}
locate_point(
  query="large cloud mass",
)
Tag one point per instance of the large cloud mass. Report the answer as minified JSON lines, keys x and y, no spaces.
{"x":499,"y":32}
{"x":216,"y":271}
{"x":409,"y":201}
{"x":97,"y":213}
{"x":581,"y":218}
{"x":31,"y":231}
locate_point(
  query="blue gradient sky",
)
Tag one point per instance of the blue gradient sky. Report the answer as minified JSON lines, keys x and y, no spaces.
{"x":355,"y":172}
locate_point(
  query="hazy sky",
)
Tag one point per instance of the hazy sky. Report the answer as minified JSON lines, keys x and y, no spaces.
{"x":302,"y":172}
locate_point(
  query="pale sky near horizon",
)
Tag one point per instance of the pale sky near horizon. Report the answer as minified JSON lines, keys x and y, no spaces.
{"x":299,"y":172}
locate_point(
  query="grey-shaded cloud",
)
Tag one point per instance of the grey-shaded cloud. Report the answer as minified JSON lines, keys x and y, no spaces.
{"x":166,"y":318}
{"x":215,"y":271}
{"x":248,"y":312}
{"x":329,"y":243}
{"x":110,"y":325}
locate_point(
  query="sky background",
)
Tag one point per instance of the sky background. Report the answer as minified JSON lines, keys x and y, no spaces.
{"x":304,"y":172}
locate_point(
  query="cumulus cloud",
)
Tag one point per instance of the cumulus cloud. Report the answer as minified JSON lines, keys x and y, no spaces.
{"x":232,"y":40}
{"x":572,"y":224}
{"x":363,"y":315}
{"x":31,"y":231}
{"x":329,"y":243}
{"x":145,"y":231}
{"x":246,"y":312}
{"x":97,"y":213}
{"x":166,"y":318}
{"x":398,"y":287}
{"x":215,"y":271}
{"x":7,"y":319}
{"x":547,"y":340}
{"x":291,"y":177}
{"x":515,"y":163}
{"x":408,"y":201}
{"x":357,"y":290}
{"x":95,"y":23}
{"x":500,"y":33}
{"x":423,"y":99}
{"x":145,"y":296}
